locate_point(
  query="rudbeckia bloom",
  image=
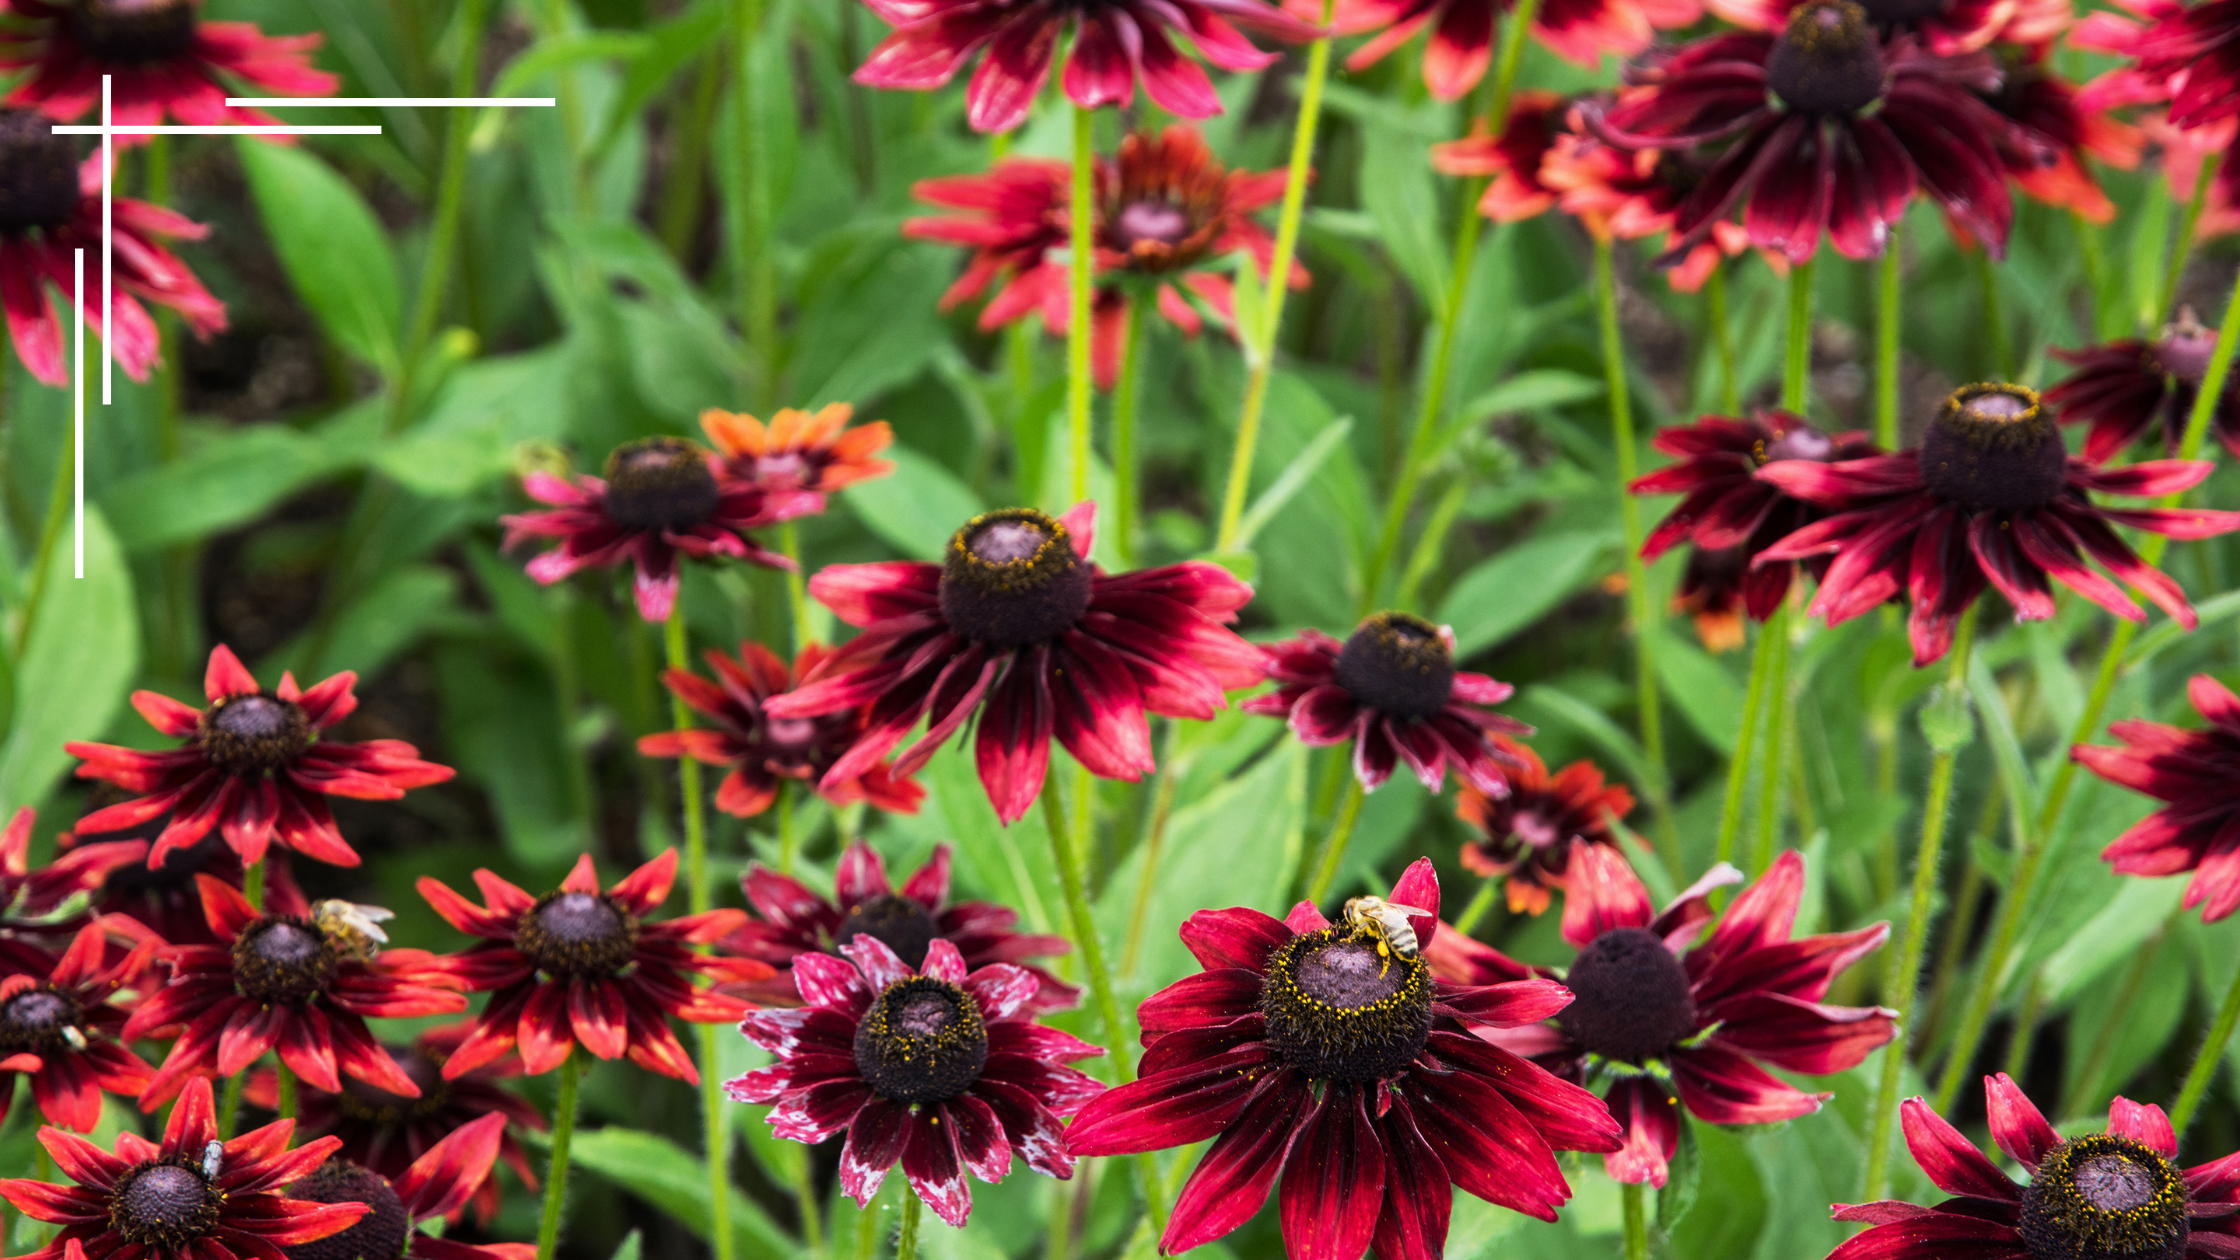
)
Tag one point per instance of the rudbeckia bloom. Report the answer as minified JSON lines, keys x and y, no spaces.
{"x":1392,"y":690}
{"x":661,"y":497}
{"x":1991,"y":497}
{"x":1115,"y":42}
{"x":800,"y":450}
{"x":2186,"y":54}
{"x":438,"y":1184}
{"x":163,"y":59}
{"x":2056,"y":135}
{"x":1510,"y":162}
{"x":283,"y":982}
{"x":2193,"y":773}
{"x":254,"y":767}
{"x":1946,"y":27}
{"x":29,"y":898}
{"x":1665,"y":1025}
{"x":795,"y":921}
{"x":2118,"y":1193}
{"x":165,"y":899}
{"x":61,"y":1032}
{"x":1460,"y":48}
{"x":52,"y":209}
{"x":188,"y":1197}
{"x":2122,"y":387}
{"x":1526,"y":834}
{"x":581,"y":965}
{"x":2185,"y":159}
{"x":941,"y":1069}
{"x":1321,"y":1054}
{"x":761,"y":751}
{"x":1826,"y":126}
{"x":1016,"y":621}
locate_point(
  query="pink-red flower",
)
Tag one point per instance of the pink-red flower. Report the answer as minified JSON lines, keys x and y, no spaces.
{"x":1317,"y":1053}
{"x":762,"y":752}
{"x":2185,"y":158}
{"x":579,"y":965}
{"x":436,"y":1185}
{"x":937,"y":1068}
{"x":661,"y":497}
{"x":2196,"y":775}
{"x":2122,"y":387}
{"x":1460,"y":47}
{"x":255,"y":767}
{"x":2117,"y":1193}
{"x":800,"y":450}
{"x":164,"y":899}
{"x":1017,"y":627}
{"x":1526,"y":835}
{"x":2185,"y":54}
{"x":162,"y":58}
{"x":2046,"y":155}
{"x":29,"y":898}
{"x":1392,"y":691}
{"x":58,"y":1027}
{"x":795,"y":921}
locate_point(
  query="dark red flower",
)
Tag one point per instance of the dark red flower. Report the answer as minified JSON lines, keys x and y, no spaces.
{"x":190,"y":1197}
{"x":800,"y":450}
{"x":58,"y":1028}
{"x":1637,"y":195}
{"x":1460,"y":49}
{"x":2185,"y":54}
{"x":1526,"y":835}
{"x":437,"y":1184}
{"x":253,"y":768}
{"x":288,"y":983}
{"x":162,"y":58}
{"x":1945,"y":27}
{"x":1991,"y":497}
{"x":2122,"y":387}
{"x":1321,"y":1054}
{"x":1392,"y":690}
{"x":1018,"y":622}
{"x":1114,"y":43}
{"x":53,"y":210}
{"x":1659,"y":1021}
{"x":164,"y":899}
{"x":387,"y":1132}
{"x":1510,"y":162}
{"x":2118,"y":1193}
{"x":2046,"y":156}
{"x":938,"y":1068}
{"x":29,"y":898}
{"x":796,"y":921}
{"x":1826,"y":126}
{"x":2195,"y":773}
{"x":581,"y":965}
{"x":662,"y":496}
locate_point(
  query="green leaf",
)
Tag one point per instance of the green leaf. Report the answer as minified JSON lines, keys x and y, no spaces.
{"x":2211,"y":611}
{"x":1292,"y":479}
{"x":668,"y":48}
{"x":916,"y":510}
{"x":1544,"y":703}
{"x":505,"y":732}
{"x":2006,"y":749}
{"x":631,"y":1248}
{"x":232,"y":479}
{"x":1251,"y":301}
{"x":674,"y":1180}
{"x":332,"y":247}
{"x":76,"y":667}
{"x":2135,"y":913}
{"x":1707,"y":695}
{"x":571,"y":48}
{"x":1398,"y":192}
{"x":1508,"y":593}
{"x":1529,"y":391}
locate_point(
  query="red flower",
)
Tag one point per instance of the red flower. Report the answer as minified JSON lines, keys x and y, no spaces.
{"x":1392,"y":689}
{"x":1511,"y":161}
{"x":188,"y":1198}
{"x":61,"y":1031}
{"x":938,"y":1068}
{"x":163,"y":59}
{"x":661,"y":496}
{"x":1825,"y":127}
{"x":763,"y":751}
{"x":2056,"y":135}
{"x":1018,"y":622}
{"x":1527,"y":834}
{"x":2112,"y":1193}
{"x":1114,"y":43}
{"x":1321,"y":1054}
{"x":253,"y":768}
{"x":29,"y":898}
{"x":2123,"y":386}
{"x":581,"y":965}
{"x":164,"y":899}
{"x":2186,"y":54}
{"x":2193,"y":772}
{"x":288,"y":983}
{"x":1990,"y":497}
{"x":437,"y":1184}
{"x":796,"y":921}
{"x":54,"y":210}
{"x":799,"y":450}
{"x":1460,"y":49}
{"x":1659,"y":1020}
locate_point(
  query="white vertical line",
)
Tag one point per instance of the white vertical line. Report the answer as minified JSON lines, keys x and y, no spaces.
{"x":108,"y":324}
{"x":78,"y":421}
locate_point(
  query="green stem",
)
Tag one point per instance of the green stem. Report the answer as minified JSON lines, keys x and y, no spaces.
{"x":1753,"y":704}
{"x":1082,"y":224}
{"x":1481,"y":902}
{"x":1432,"y":544}
{"x":1059,"y":1244}
{"x":789,"y":844}
{"x":1637,"y":1221}
{"x":714,"y":1114}
{"x":1775,"y":708}
{"x":1154,"y":838}
{"x":50,"y":536}
{"x":1722,"y":337}
{"x":1962,"y":926}
{"x":1796,"y":365}
{"x":2205,"y":1063}
{"x":2189,"y":222}
{"x":1333,"y":847}
{"x":229,"y":1105}
{"x":556,"y":1172}
{"x":797,"y":586}
{"x":1126,"y":477}
{"x":680,"y":195}
{"x":1994,"y":314}
{"x":1906,"y":971}
{"x":252,"y":885}
{"x":443,"y":230}
{"x":285,"y":1080}
{"x":1889,"y":303}
{"x":2025,"y":1028}
{"x":906,"y":1243}
{"x":567,"y":687}
{"x":2095,"y":270}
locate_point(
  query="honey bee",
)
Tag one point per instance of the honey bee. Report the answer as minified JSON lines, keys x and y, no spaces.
{"x":1384,"y":922}
{"x":354,"y":929}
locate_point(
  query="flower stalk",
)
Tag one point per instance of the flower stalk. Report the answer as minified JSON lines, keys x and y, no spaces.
{"x":1333,"y":846}
{"x":285,"y":1081}
{"x":714,"y":1115}
{"x":906,"y":1243}
{"x":1637,"y":1221}
{"x":1127,"y":488}
{"x":1082,"y":224}
{"x":1774,"y":701}
{"x":2205,"y":1064}
{"x":1753,"y":706}
{"x":1889,"y":302}
{"x":1796,"y":363}
{"x":556,"y":1172}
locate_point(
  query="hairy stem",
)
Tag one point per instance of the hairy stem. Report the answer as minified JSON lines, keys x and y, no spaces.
{"x":556,"y":1172}
{"x":2206,"y":1062}
{"x":1775,"y":710}
{"x":1890,"y":301}
{"x":1796,"y":363}
{"x":1753,"y":705}
{"x":906,"y":1243}
{"x":1637,"y":1221}
{"x":1078,"y":331}
{"x":1333,"y":846}
{"x":1722,"y":337}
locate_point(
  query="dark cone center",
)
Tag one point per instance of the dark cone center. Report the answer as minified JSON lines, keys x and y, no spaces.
{"x":1629,"y":997}
{"x":38,"y":173}
{"x":1011,"y":578}
{"x":1994,"y":446}
{"x":378,"y":1106}
{"x":35,"y":1020}
{"x":163,"y":1203}
{"x":134,"y":31}
{"x":253,"y":732}
{"x":660,"y":483}
{"x":282,"y":958}
{"x":922,"y":1041}
{"x":1828,"y":61}
{"x":577,"y":936}
{"x":1896,"y":13}
{"x":1397,"y":664}
{"x":1339,"y":1010}
{"x":899,"y":923}
{"x":380,"y":1234}
{"x":2105,"y":1198}
{"x":1150,"y":222}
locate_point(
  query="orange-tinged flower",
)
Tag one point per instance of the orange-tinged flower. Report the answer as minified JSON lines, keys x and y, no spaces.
{"x":1527,"y":834}
{"x":800,"y":450}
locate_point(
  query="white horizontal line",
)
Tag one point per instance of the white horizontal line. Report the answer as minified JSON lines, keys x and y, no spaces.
{"x":120,"y":130}
{"x":418,"y":102}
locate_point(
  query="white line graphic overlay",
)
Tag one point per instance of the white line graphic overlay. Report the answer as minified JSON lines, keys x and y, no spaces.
{"x":78,"y":420}
{"x":394,"y":102}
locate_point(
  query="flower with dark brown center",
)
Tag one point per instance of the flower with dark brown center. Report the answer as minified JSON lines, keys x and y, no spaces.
{"x":922,"y":1041}
{"x":577,"y":936}
{"x":2104,"y":1195}
{"x":1013,"y":578}
{"x":660,"y":483}
{"x":379,"y":1235}
{"x":901,"y":924}
{"x":800,"y":450}
{"x":114,"y":867}
{"x":133,"y":32}
{"x":29,"y":899}
{"x":1994,"y":446}
{"x":436,"y":1184}
{"x":253,"y":732}
{"x":161,"y":58}
{"x":2122,"y":387}
{"x":1525,"y":837}
{"x":38,"y":174}
{"x":1828,"y":60}
{"x":1629,"y":997}
{"x":164,"y":1205}
{"x":283,"y":959}
{"x":59,"y":1030}
{"x":1339,"y":1009}
{"x":1947,"y":28}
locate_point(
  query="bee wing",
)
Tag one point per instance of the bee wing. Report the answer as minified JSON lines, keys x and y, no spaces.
{"x":1394,"y":907}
